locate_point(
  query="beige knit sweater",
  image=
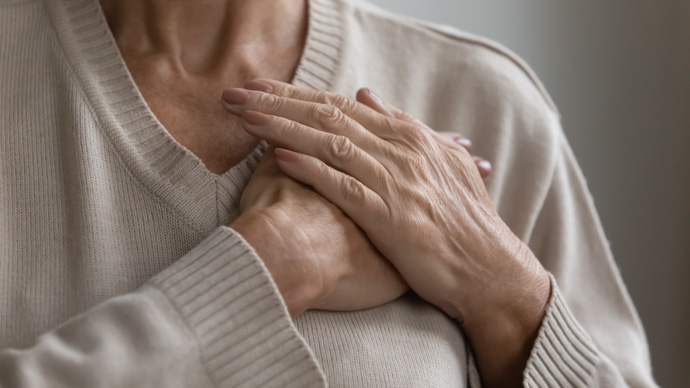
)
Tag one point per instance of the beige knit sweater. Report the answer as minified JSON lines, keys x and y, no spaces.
{"x":116,"y":269}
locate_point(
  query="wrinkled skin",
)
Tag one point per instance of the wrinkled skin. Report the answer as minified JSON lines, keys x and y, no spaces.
{"x":346,"y":271}
{"x":420,"y":200}
{"x":322,"y":249}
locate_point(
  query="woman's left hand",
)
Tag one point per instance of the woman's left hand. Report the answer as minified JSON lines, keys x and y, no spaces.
{"x":421,"y":200}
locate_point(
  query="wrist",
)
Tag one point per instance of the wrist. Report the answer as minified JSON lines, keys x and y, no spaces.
{"x":502,"y":331}
{"x":518,"y":294}
{"x":270,"y":231}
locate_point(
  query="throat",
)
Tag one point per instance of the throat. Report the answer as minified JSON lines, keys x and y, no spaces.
{"x":182,"y":55}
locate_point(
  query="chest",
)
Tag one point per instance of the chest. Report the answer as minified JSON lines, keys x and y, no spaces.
{"x":405,"y":343}
{"x":192,"y":113}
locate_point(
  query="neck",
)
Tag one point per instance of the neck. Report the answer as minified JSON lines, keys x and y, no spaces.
{"x":208,"y":36}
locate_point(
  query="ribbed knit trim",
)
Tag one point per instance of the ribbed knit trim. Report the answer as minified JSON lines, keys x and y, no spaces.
{"x":322,"y":52}
{"x":473,"y":379}
{"x":563,"y":355}
{"x":166,"y":168}
{"x":247,"y":339}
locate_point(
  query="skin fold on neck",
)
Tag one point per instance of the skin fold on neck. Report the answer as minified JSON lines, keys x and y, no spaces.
{"x":183,"y":54}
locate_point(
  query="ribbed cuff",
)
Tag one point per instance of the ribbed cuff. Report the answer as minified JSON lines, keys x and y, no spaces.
{"x":563,"y":355}
{"x":473,"y":379}
{"x":228,"y":299}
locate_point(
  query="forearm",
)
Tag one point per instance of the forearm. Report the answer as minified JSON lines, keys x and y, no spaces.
{"x":205,"y":321}
{"x":133,"y":340}
{"x":589,"y":335}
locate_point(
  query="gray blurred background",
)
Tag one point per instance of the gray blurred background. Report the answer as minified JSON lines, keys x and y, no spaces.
{"x":619,"y":71}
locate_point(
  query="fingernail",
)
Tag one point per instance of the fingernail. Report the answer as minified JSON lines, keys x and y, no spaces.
{"x":235,"y":96}
{"x":255,"y":118}
{"x":286,"y":155}
{"x":260,"y":86}
{"x":382,"y":105}
{"x":485,"y":164}
{"x":463,"y":141}
{"x":374,"y":96}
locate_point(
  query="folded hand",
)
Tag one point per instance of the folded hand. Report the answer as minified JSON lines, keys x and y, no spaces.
{"x":419,"y":198}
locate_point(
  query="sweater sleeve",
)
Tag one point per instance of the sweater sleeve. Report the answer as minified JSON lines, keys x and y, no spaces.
{"x":213,"y":319}
{"x":565,"y":355}
{"x":591,"y":334}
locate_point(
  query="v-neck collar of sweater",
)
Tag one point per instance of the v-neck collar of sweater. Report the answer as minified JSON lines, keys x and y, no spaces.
{"x":165,"y":168}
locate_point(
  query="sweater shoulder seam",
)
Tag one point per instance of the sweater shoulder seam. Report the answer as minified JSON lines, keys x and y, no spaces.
{"x":454,"y":35}
{"x":496,"y":48}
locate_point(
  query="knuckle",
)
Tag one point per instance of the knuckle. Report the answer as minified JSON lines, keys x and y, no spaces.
{"x":340,"y":147}
{"x":340,"y":102}
{"x":415,"y":163}
{"x":321,"y":170}
{"x":389,"y":124}
{"x":286,"y":90}
{"x":269,"y":101}
{"x":352,"y":190}
{"x":411,"y":162}
{"x":289,"y":127}
{"x":329,"y":116}
{"x":281,"y":90}
{"x":416,"y":133}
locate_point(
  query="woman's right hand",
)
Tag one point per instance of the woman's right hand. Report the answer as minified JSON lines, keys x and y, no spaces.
{"x":315,"y":253}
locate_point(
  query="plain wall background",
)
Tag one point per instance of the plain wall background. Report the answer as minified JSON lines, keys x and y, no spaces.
{"x":619,"y":71}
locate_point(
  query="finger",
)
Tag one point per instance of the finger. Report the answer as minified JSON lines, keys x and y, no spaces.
{"x":458,"y":139}
{"x":383,"y":122}
{"x":284,"y":89}
{"x":373,"y":101}
{"x":353,"y":197}
{"x":316,"y":115}
{"x":367,"y":97}
{"x":355,"y":109}
{"x":336,"y":150}
{"x":483,"y":165}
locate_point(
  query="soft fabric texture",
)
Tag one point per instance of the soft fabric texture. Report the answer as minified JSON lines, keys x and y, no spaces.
{"x":117,"y":268}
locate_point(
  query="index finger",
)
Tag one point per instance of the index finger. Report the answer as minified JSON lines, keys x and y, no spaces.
{"x":363,"y":114}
